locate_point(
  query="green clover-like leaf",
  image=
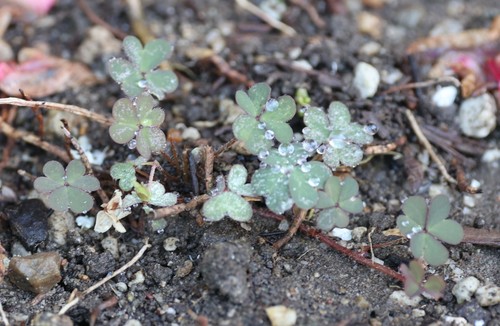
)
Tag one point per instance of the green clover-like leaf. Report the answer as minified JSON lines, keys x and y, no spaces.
{"x":67,"y":189}
{"x":139,"y":118}
{"x":305,"y":181}
{"x":125,"y":173}
{"x":139,"y":74}
{"x":427,"y":227}
{"x":273,"y":185}
{"x":236,"y":181}
{"x":159,"y":197}
{"x":227,"y":204}
{"x":246,"y":129}
{"x":416,"y":284}
{"x":341,"y":137}
{"x":338,"y":200}
{"x":253,"y":101}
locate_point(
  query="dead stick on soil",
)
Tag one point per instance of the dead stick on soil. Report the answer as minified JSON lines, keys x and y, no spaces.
{"x":297,"y":221}
{"x":427,"y":83}
{"x":423,"y":140}
{"x":9,"y":131}
{"x":179,"y":208}
{"x":311,"y":11}
{"x":59,"y":107}
{"x":284,"y":28}
{"x":4,"y":316}
{"x":73,"y":302}
{"x":209,"y":167}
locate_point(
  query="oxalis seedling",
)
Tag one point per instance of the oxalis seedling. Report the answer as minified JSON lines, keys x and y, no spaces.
{"x":295,"y":171}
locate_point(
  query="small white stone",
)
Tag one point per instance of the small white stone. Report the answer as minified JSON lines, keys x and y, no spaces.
{"x":469,"y":201}
{"x":366,"y":79}
{"x":465,"y":288}
{"x":488,"y":295}
{"x":138,"y":278}
{"x":400,"y":298}
{"x":342,"y":233}
{"x":170,"y":244}
{"x":85,"y":221}
{"x":358,"y":233}
{"x":455,"y":321}
{"x":370,"y":49}
{"x":477,"y":116}
{"x":417,"y":313}
{"x":445,"y":96}
{"x":191,"y":133}
{"x":491,"y":156}
{"x":281,"y":316}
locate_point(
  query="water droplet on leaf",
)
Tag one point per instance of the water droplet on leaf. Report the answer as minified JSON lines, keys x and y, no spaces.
{"x":132,"y":144}
{"x":272,"y":105}
{"x":142,"y":83}
{"x":269,"y":134}
{"x":309,"y":145}
{"x":261,"y":125}
{"x":263,"y":155}
{"x":306,"y":167}
{"x":321,"y":150}
{"x":313,"y":182}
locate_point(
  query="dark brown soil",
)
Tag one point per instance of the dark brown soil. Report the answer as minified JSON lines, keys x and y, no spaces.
{"x":221,"y":271}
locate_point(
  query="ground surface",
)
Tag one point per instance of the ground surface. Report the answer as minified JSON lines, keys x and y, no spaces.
{"x":322,"y":286}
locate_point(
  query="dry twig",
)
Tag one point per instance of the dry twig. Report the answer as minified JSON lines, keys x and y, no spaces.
{"x":284,"y":28}
{"x":297,"y":221}
{"x":423,"y":140}
{"x":443,"y":80}
{"x":179,"y":208}
{"x":59,"y":107}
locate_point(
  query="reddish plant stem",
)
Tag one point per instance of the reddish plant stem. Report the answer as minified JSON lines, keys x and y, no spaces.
{"x":315,"y":233}
{"x":297,"y":222}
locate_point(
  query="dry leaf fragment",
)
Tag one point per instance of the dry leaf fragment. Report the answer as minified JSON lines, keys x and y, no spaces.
{"x":111,"y":215}
{"x":40,"y":75}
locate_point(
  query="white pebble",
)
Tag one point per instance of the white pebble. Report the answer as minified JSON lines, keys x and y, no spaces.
{"x":358,"y":233}
{"x":366,"y":79}
{"x":477,"y":116}
{"x":170,"y":244}
{"x":465,"y":288}
{"x":488,"y":295}
{"x":85,"y":221}
{"x":455,"y":321}
{"x":138,"y":278}
{"x":281,"y":316}
{"x":469,"y":201}
{"x":342,"y":233}
{"x":491,"y":156}
{"x":191,"y":133}
{"x":400,"y":298}
{"x":445,"y":96}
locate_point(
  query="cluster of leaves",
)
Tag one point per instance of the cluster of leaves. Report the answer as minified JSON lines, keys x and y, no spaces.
{"x":66,"y":189}
{"x":139,"y":74}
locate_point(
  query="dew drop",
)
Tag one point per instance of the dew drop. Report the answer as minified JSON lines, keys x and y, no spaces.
{"x":337,"y":141}
{"x":132,"y":144}
{"x":306,"y":130}
{"x":269,"y":134}
{"x":405,"y":223}
{"x":370,"y":129}
{"x":263,"y":155}
{"x":306,"y":167}
{"x":303,"y":109}
{"x":142,"y":83}
{"x":321,"y":149}
{"x":262,"y":165}
{"x":313,"y":182}
{"x":282,"y":149}
{"x":272,"y":105}
{"x":290,"y":149}
{"x":261,"y":125}
{"x":309,"y":145}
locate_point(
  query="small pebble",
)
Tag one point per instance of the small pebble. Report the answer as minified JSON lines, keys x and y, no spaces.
{"x":477,"y":116}
{"x":456,"y":321}
{"x":362,"y":302}
{"x":366,"y":79}
{"x":170,"y":244}
{"x":370,"y":48}
{"x":465,"y":288}
{"x":137,"y":279}
{"x":121,"y":286}
{"x":111,"y":244}
{"x":132,"y":322}
{"x":400,"y":298}
{"x":29,"y":222}
{"x":37,"y":273}
{"x":358,"y":233}
{"x":191,"y":133}
{"x":281,"y":316}
{"x":85,"y":221}
{"x":370,"y":24}
{"x":50,"y":319}
{"x":445,"y":96}
{"x":60,"y":223}
{"x":488,"y":295}
{"x":418,"y":313}
{"x":185,"y":269}
{"x":491,"y":156}
{"x":342,"y":233}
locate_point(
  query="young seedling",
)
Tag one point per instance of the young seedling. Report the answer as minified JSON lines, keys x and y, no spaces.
{"x":68,"y":189}
{"x":426,"y":227}
{"x":416,"y":284}
{"x":137,"y":123}
{"x":125,"y":173}
{"x":139,"y":74}
{"x":265,"y":119}
{"x":152,"y":193}
{"x":229,"y":202}
{"x":335,"y":136}
{"x":337,"y":201}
